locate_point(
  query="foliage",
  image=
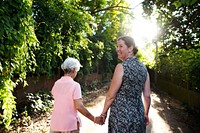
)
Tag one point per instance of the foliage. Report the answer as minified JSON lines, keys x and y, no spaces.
{"x":39,"y":102}
{"x":17,"y":40}
{"x":36,"y":37}
{"x":182,"y":68}
{"x":7,"y":102}
{"x":179,"y":22}
{"x":76,"y":36}
{"x":61,"y":29}
{"x":106,"y":25}
{"x":147,"y":55}
{"x":35,"y":105}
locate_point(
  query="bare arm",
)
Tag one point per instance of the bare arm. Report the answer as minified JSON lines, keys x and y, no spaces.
{"x":147,"y":98}
{"x":81,"y":108}
{"x":114,"y":87}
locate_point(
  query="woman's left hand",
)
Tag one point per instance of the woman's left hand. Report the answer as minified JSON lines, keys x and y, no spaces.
{"x":146,"y":120}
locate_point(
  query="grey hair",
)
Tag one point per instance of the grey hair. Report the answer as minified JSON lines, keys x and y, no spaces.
{"x":71,"y":64}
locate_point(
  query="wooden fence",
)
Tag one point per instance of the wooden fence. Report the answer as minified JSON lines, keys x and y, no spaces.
{"x":191,"y":98}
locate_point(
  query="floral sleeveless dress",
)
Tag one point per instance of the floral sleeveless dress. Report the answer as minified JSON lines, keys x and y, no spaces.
{"x":127,"y":110}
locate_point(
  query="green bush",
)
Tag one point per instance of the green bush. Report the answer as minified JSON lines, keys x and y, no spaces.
{"x":36,"y":104}
{"x":39,"y":102}
{"x":182,"y":68}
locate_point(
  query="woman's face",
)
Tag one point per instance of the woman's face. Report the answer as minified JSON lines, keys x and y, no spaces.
{"x":122,"y":50}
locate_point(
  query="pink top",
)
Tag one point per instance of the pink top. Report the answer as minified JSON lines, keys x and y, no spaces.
{"x":64,"y":116}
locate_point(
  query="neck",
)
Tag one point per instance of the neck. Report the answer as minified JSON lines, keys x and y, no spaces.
{"x":68,"y":75}
{"x":131,"y":56}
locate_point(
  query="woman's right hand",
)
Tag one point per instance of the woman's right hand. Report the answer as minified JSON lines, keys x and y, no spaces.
{"x":103,"y":117}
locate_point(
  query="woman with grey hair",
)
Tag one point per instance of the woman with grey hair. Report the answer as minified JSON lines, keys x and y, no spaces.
{"x":68,"y":101}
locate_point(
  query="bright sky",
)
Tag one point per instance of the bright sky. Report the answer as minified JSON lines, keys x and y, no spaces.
{"x":143,"y":31}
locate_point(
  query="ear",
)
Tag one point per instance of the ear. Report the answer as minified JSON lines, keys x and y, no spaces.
{"x":130,"y":49}
{"x":73,"y":70}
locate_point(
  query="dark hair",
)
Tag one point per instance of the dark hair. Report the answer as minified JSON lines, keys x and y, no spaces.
{"x":66,"y":71}
{"x":129,"y":41}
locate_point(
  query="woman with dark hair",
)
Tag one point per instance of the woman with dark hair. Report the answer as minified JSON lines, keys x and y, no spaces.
{"x":128,"y":112}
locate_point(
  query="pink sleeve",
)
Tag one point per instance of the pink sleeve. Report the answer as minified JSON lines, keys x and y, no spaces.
{"x":77,"y":92}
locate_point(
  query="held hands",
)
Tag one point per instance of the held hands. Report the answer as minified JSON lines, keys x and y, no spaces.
{"x":100,"y":119}
{"x":103,"y":117}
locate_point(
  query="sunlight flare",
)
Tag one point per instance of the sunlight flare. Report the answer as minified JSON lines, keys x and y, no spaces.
{"x":143,"y":31}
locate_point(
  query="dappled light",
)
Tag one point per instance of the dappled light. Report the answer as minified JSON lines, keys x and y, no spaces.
{"x":37,"y":35}
{"x":166,"y":115}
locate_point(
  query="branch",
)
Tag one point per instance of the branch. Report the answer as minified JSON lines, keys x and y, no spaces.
{"x":114,"y":7}
{"x":108,"y":8}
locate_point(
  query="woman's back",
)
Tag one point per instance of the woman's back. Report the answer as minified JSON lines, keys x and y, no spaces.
{"x":127,"y":110}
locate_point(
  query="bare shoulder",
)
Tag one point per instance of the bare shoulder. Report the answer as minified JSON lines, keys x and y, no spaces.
{"x":118,"y":70}
{"x":119,"y":66}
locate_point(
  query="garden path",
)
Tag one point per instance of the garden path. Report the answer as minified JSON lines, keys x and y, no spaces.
{"x":167,"y":115}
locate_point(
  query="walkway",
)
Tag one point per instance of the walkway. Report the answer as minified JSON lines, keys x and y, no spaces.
{"x":158,"y":125}
{"x":167,"y":115}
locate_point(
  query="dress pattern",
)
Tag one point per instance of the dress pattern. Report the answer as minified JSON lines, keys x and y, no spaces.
{"x":127,"y":110}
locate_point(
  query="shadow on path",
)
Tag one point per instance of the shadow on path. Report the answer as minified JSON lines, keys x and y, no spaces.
{"x":175,"y":114}
{"x":166,"y":115}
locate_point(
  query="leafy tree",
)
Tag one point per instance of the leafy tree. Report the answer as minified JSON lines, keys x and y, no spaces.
{"x":81,"y":29}
{"x":179,"y":20}
{"x":180,"y":39}
{"x":36,"y":36}
{"x":108,"y":22}
{"x":61,"y":29}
